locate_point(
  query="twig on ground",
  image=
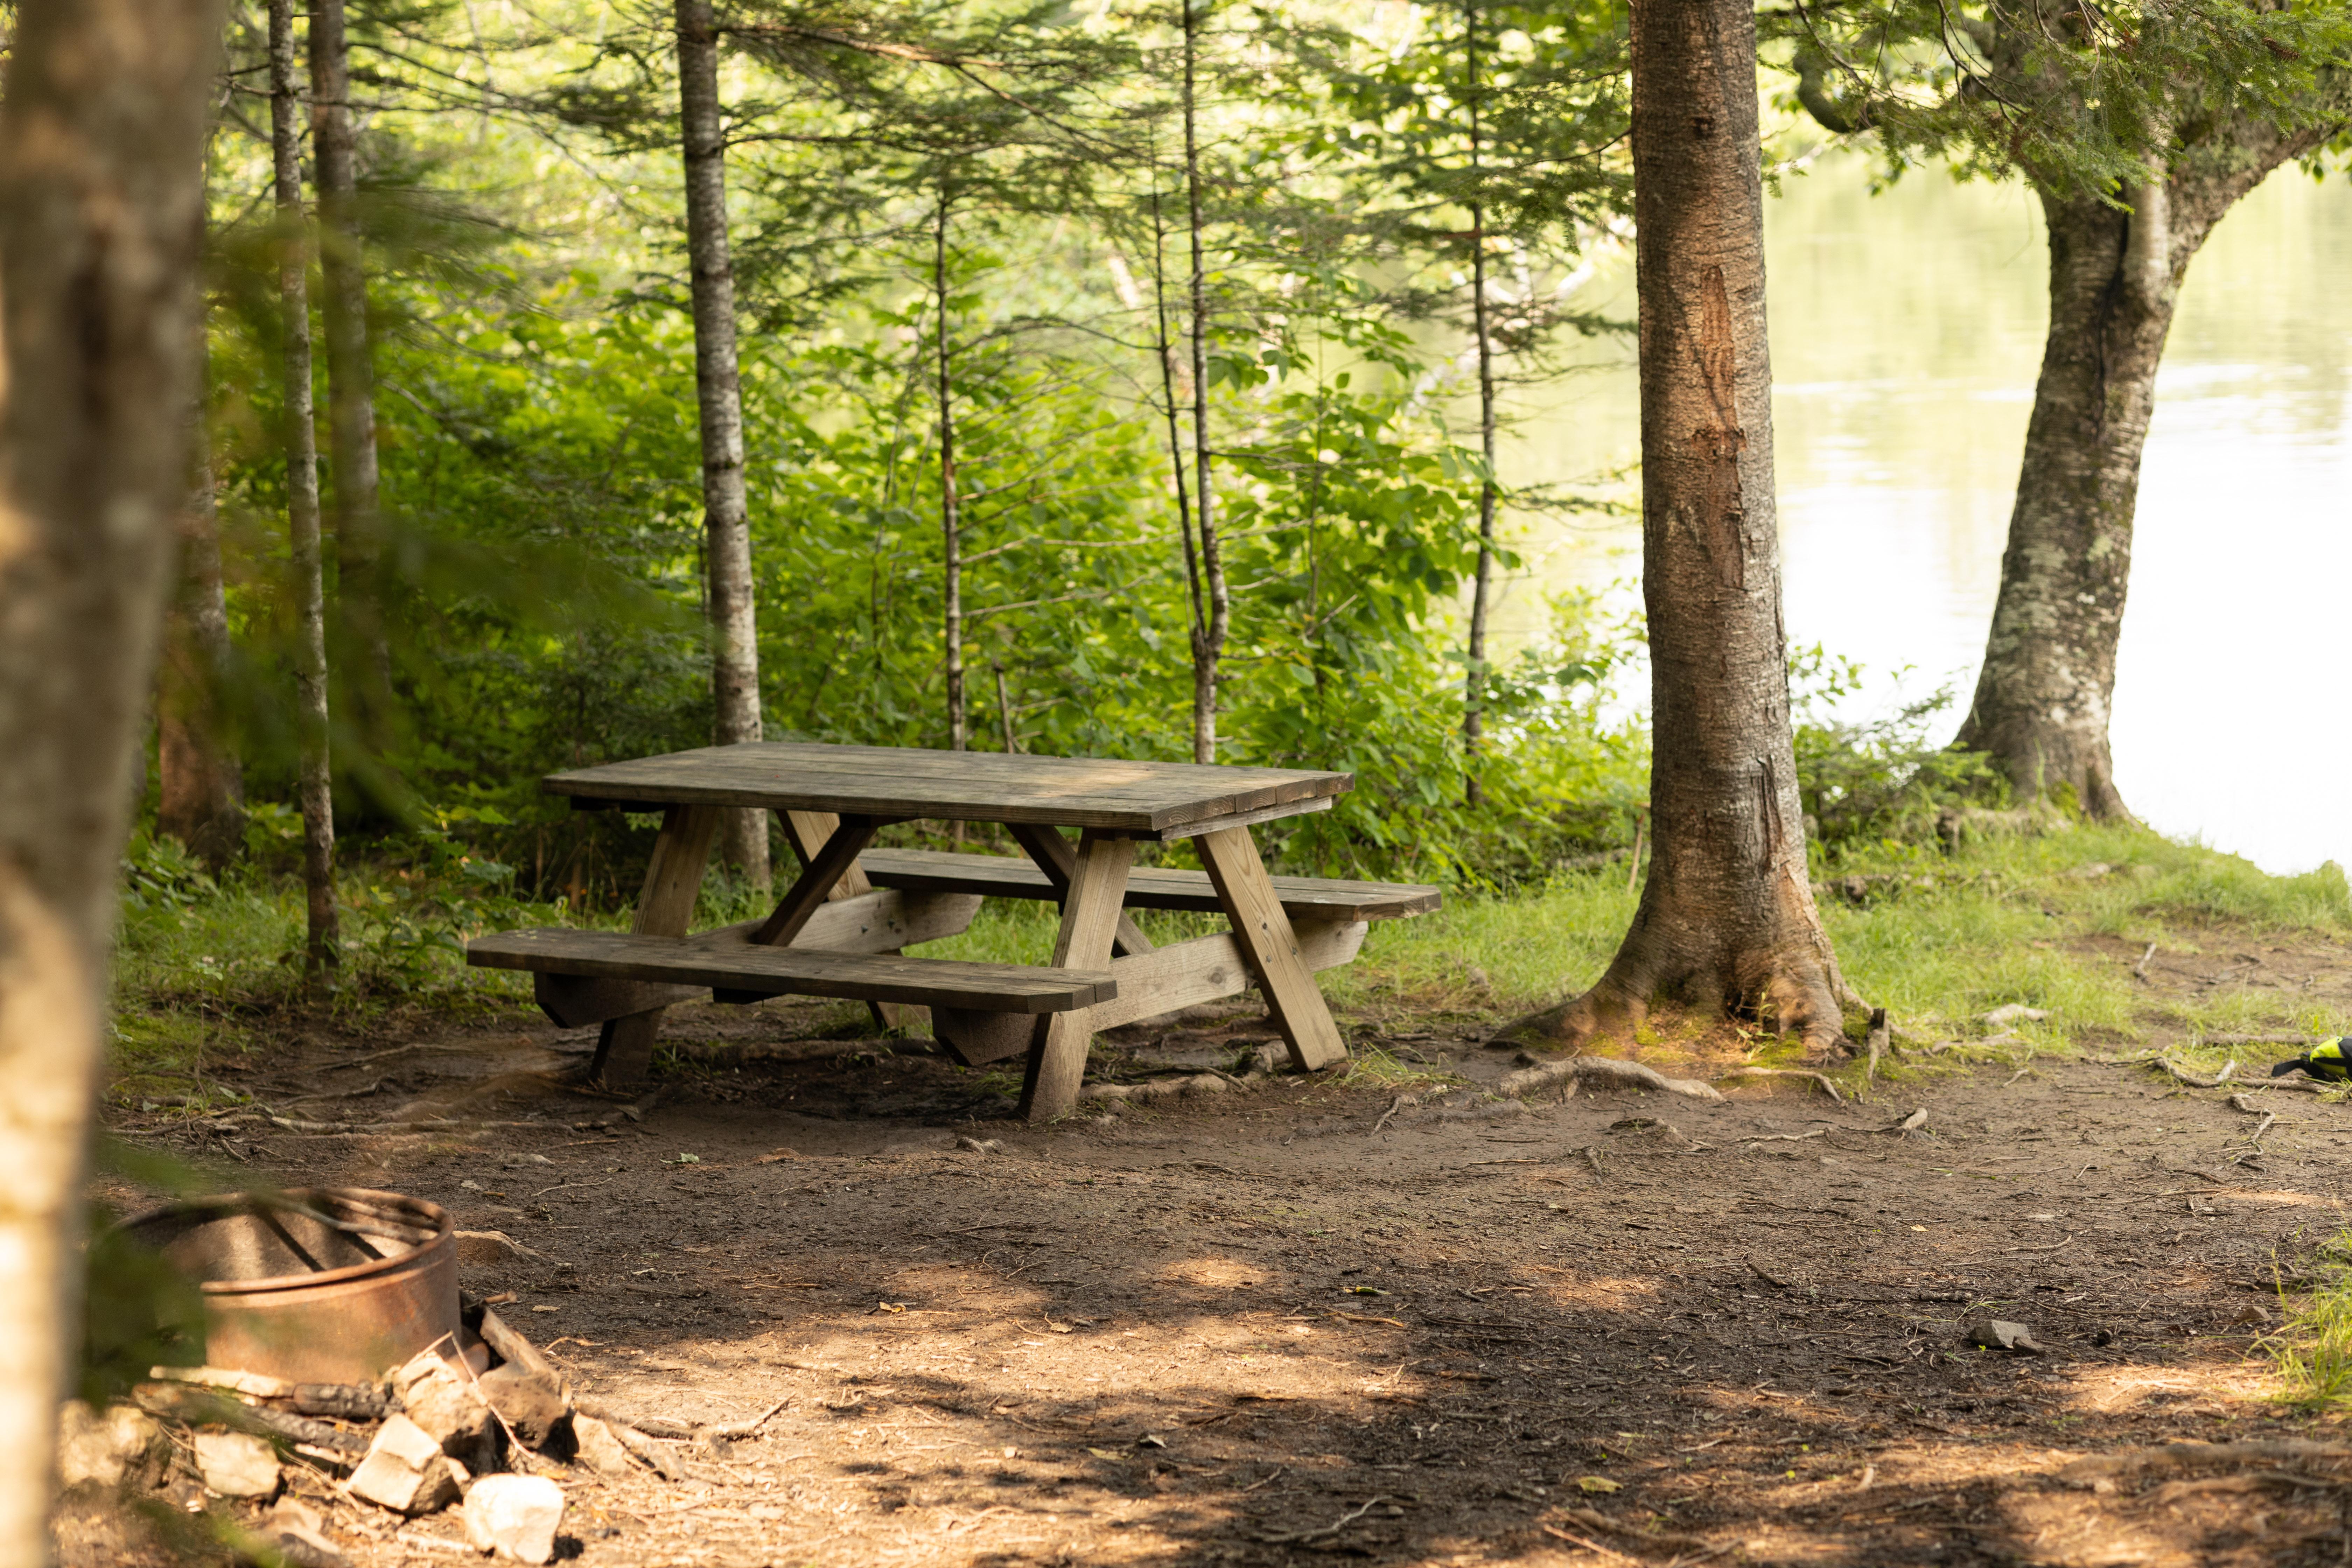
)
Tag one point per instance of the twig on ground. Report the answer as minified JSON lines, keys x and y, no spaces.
{"x":743,"y":1428}
{"x":1394,"y":1106}
{"x":1289,"y":1537}
{"x":2139,"y":970}
{"x":1782,"y":1137}
{"x":2196,"y":1080}
{"x":1769,"y":1280}
{"x":2053,"y":1247}
{"x":1588,"y":1545}
{"x":2179,"y":1456}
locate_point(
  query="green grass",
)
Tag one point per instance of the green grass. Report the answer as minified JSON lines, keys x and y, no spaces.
{"x":202,"y":972}
{"x":2313,"y":1350}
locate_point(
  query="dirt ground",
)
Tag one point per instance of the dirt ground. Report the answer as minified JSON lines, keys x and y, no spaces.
{"x":1412,"y":1324}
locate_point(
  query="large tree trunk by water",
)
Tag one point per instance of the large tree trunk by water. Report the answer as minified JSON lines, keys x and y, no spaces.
{"x":350,"y":367}
{"x":1727,"y":922}
{"x":314,"y":774}
{"x":734,"y":625}
{"x":2043,"y":694}
{"x":100,"y":137}
{"x":199,"y":789}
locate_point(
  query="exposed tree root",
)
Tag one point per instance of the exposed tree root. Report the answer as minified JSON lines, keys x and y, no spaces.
{"x":1822,"y":1079}
{"x":1605,"y":1072}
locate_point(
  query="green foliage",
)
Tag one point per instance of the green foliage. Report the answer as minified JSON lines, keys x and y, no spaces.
{"x":1876,"y":780}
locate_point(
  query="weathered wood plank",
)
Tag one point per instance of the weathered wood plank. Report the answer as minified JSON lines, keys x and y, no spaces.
{"x":574,"y":1001}
{"x":624,"y":1046}
{"x":1270,"y":947}
{"x":808,"y":831}
{"x":814,"y":886}
{"x":792,"y":971}
{"x":1147,"y":888}
{"x":1051,"y":853}
{"x":1151,"y":799}
{"x":975,"y":1040}
{"x":1187,"y":974}
{"x":1057,"y":1062}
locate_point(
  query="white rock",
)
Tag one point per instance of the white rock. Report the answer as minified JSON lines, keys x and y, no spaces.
{"x":515,"y":1516}
{"x":237,"y":1464}
{"x":404,"y":1469}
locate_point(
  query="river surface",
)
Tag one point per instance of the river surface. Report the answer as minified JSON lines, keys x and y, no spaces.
{"x":1907,"y":331}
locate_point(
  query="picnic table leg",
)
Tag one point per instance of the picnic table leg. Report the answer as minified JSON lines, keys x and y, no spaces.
{"x":624,"y":1046}
{"x":1090,"y":917}
{"x":809,"y":831}
{"x":1270,"y":948}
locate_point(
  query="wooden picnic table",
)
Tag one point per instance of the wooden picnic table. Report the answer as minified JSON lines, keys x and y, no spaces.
{"x":841,"y":928}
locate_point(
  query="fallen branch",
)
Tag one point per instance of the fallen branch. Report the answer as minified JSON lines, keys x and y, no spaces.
{"x":2180,"y":1456}
{"x":1588,"y":1545}
{"x":1394,"y":1106}
{"x":1822,"y":1079}
{"x":2196,"y":1080}
{"x":1593,"y":1518}
{"x":1607,"y":1072}
{"x":746,"y":1427}
{"x":2139,"y":970}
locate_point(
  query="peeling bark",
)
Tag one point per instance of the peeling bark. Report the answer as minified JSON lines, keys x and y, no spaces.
{"x":101,"y":131}
{"x":1727,"y":922}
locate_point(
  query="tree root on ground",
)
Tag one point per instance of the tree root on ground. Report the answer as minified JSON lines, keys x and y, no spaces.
{"x":1603,"y":1072}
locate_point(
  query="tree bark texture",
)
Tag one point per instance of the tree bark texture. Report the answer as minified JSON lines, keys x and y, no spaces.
{"x":101,"y":133}
{"x":2043,"y":694}
{"x":351,"y":365}
{"x":314,"y":770}
{"x":734,"y":623}
{"x":199,"y":789}
{"x":1209,"y":639}
{"x":1473,"y":715}
{"x":950,"y":515}
{"x":1727,"y":920}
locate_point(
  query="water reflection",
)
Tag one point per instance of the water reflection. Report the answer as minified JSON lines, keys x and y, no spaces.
{"x":1907,"y":329}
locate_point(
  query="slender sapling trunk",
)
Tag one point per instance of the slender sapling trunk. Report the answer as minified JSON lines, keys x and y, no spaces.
{"x":1168,"y":403}
{"x":734,"y":620}
{"x":950,"y":515}
{"x":1209,"y":639}
{"x":1474,"y":716}
{"x":314,"y":774}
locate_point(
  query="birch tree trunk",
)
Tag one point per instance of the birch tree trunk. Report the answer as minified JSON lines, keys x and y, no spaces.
{"x":734,"y":625}
{"x":1727,"y":922}
{"x":315,"y":774}
{"x":199,"y":789}
{"x":351,"y":364}
{"x":950,"y":515}
{"x":1209,"y":639}
{"x":101,"y":129}
{"x":2045,"y":689}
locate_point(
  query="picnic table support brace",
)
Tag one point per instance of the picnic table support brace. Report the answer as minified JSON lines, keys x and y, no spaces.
{"x":624,"y":1046}
{"x":809,"y":831}
{"x":1090,"y":922}
{"x":1270,"y":947}
{"x":1052,"y":855}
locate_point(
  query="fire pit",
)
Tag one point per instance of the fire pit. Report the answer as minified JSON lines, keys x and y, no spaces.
{"x":313,"y":1284}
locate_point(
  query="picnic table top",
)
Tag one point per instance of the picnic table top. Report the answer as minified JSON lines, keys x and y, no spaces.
{"x":1137,"y":799}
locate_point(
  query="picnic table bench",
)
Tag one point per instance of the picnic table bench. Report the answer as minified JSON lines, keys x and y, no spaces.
{"x":842,"y":927}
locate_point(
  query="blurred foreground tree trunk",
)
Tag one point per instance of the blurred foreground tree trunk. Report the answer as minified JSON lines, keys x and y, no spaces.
{"x":200,"y":788}
{"x":350,"y":367}
{"x":315,"y":773}
{"x":101,"y":129}
{"x":1727,"y":922}
{"x":734,"y":620}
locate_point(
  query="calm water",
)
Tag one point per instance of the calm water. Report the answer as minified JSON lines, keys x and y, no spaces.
{"x":1907,"y":329}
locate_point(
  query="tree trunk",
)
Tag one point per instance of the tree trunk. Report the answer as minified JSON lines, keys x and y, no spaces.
{"x":1198,"y":626}
{"x":315,"y":774}
{"x":1209,"y":640}
{"x":350,"y":366}
{"x":1727,"y":922}
{"x":734,"y":623}
{"x":200,"y":788}
{"x":100,"y":205}
{"x":951,"y":516}
{"x":1474,"y":714}
{"x":2043,"y":694}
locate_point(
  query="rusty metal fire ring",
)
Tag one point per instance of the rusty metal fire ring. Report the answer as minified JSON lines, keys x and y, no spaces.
{"x":313,"y":1284}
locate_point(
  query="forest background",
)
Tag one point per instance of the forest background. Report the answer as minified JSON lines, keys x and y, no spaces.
{"x":983,"y":211}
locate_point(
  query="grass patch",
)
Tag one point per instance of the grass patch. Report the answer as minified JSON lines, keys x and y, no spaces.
{"x":2313,"y":1350}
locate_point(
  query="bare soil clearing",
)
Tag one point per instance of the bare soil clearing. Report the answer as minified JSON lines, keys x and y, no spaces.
{"x":1246,"y":1327}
